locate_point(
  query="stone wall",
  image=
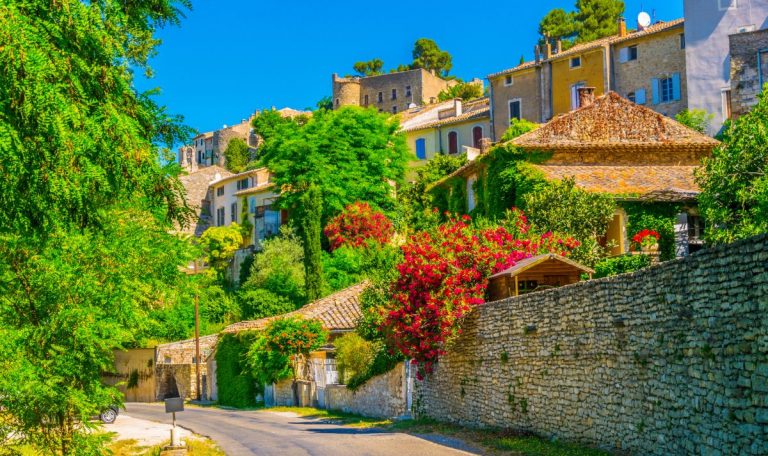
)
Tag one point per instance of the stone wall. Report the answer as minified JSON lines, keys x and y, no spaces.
{"x":668,"y":360}
{"x":524,"y":85}
{"x":745,"y":73}
{"x":383,"y":396}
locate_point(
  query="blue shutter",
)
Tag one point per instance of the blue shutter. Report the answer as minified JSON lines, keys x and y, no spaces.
{"x":421,"y":149}
{"x":676,"y":86}
{"x":640,"y":96}
{"x":655,"y":90}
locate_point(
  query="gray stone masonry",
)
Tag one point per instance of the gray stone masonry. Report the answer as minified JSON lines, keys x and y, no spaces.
{"x":670,"y":360}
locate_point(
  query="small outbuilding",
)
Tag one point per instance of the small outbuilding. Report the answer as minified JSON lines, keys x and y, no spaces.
{"x":534,"y":274}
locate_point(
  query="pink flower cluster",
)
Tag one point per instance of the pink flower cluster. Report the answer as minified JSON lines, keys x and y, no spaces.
{"x":356,"y":225}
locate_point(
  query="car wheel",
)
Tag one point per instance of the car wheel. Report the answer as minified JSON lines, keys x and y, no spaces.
{"x":108,"y":416}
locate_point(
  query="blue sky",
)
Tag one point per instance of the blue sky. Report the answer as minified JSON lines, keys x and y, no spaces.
{"x":231,"y":57}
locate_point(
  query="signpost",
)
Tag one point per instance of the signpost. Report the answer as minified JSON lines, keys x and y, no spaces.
{"x":173,"y":405}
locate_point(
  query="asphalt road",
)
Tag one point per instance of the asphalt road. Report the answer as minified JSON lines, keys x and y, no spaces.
{"x":270,"y":433}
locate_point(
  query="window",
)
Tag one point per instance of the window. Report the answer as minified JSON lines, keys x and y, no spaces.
{"x":407,"y":91}
{"x":515,"y":109}
{"x":366,"y":100}
{"x":666,"y":89}
{"x":477,"y":135}
{"x":381,"y":97}
{"x":220,"y":191}
{"x":220,"y":216}
{"x":575,"y":62}
{"x":627,"y":54}
{"x":233,"y":212}
{"x":682,"y":41}
{"x":509,"y":80}
{"x":575,"y":103}
{"x":421,"y":149}
{"x":453,"y":143}
{"x":723,"y":5}
{"x":242,"y":184}
{"x":394,"y":109}
{"x":695,"y":233}
{"x":252,"y":205}
{"x":337,"y":103}
{"x":394,"y":94}
{"x":640,"y":96}
{"x":471,"y":203}
{"x":631,"y":97}
{"x":725,"y":96}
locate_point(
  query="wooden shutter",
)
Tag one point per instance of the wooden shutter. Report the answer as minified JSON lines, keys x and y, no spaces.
{"x":623,"y":54}
{"x":676,"y":86}
{"x":655,"y":89}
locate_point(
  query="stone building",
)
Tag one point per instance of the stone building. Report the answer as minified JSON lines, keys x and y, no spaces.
{"x":646,"y":65}
{"x":175,"y":371}
{"x":450,"y":127}
{"x":749,"y":69}
{"x":393,"y":92}
{"x":708,"y":25}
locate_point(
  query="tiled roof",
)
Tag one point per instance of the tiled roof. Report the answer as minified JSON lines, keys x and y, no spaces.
{"x":530,"y":262}
{"x":622,"y":180}
{"x":613,"y":122}
{"x":232,"y":176}
{"x":471,"y":110}
{"x":613,"y":39}
{"x":337,"y":312}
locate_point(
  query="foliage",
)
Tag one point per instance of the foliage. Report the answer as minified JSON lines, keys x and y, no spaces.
{"x":444,"y":275}
{"x":646,"y":238}
{"x":258,"y":303}
{"x":219,"y":245}
{"x":697,"y":119}
{"x":734,"y":180}
{"x":372,"y":67}
{"x":518,"y":127}
{"x":65,"y":305}
{"x":354,"y":355}
{"x":621,"y":264}
{"x":311,"y":229}
{"x":462,"y":90}
{"x":427,"y":55}
{"x":279,"y":268}
{"x":350,"y":154}
{"x":283,"y":347}
{"x":659,"y":217}
{"x":237,"y":155}
{"x":562,"y":207}
{"x":236,"y":385}
{"x":325,"y":103}
{"x":356,"y":225}
{"x":343,"y":268}
{"x":558,"y":24}
{"x":75,"y":135}
{"x":416,"y":203}
{"x":246,"y":230}
{"x":597,"y":18}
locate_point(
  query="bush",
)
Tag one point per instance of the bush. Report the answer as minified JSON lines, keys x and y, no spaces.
{"x":354,"y":355}
{"x":697,"y":119}
{"x":279,"y":267}
{"x":237,"y":387}
{"x":518,"y":127}
{"x":258,"y":303}
{"x":620,"y":265}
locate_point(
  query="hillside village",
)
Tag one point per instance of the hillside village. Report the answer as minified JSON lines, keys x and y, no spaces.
{"x":573,"y":247}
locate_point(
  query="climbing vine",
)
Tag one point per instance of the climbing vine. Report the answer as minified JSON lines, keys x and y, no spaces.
{"x":660,"y":217}
{"x":236,"y":385}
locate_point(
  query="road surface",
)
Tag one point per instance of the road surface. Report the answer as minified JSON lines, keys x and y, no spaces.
{"x":270,"y":433}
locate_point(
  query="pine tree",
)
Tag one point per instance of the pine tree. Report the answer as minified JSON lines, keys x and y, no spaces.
{"x":597,"y":18}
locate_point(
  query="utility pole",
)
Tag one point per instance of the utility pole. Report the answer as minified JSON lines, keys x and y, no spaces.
{"x":197,"y":340}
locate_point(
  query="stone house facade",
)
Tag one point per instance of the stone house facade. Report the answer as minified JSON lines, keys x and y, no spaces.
{"x":392,"y":92}
{"x":516,"y":93}
{"x":749,"y":69}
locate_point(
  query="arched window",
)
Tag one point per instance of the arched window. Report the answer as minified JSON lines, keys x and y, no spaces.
{"x":453,"y":143}
{"x":477,"y":135}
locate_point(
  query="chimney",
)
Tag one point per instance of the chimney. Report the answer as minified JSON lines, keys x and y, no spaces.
{"x":622,"y":27}
{"x":537,"y":53}
{"x":457,"y":106}
{"x":485,"y":145}
{"x":548,"y":51}
{"x":558,"y":46}
{"x":586,"y":96}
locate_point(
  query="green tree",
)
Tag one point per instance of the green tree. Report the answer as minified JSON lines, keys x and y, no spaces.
{"x":518,"y":127}
{"x":258,"y":303}
{"x":697,"y":119}
{"x":354,"y":355}
{"x":284,"y":347}
{"x":463,"y":90}
{"x":87,"y":203}
{"x":311,"y":232}
{"x":372,"y":67}
{"x":427,"y":55}
{"x":279,"y":268}
{"x":219,"y":245}
{"x":734,"y":180}
{"x":237,"y":155}
{"x":597,"y":18}
{"x":558,"y":24}
{"x":325,"y":103}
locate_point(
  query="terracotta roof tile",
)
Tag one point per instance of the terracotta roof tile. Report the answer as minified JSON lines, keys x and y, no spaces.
{"x":471,"y":110}
{"x":337,"y":312}
{"x":622,"y":180}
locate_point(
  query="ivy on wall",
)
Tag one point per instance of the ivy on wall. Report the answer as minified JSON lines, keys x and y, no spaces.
{"x":236,"y":385}
{"x":660,"y":217}
{"x":457,"y":202}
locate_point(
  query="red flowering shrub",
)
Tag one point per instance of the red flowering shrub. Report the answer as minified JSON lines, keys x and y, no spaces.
{"x":357,"y":224}
{"x":444,"y":275}
{"x":646,"y":238}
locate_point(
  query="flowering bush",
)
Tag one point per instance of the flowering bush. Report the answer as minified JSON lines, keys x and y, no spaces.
{"x":646,"y":238}
{"x":357,"y":224}
{"x":444,"y":274}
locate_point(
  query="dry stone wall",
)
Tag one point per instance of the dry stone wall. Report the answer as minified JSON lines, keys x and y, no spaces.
{"x":665,"y":361}
{"x":383,"y":396}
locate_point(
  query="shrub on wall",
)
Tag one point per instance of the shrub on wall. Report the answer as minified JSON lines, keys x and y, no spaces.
{"x":357,"y":225}
{"x":620,"y":265}
{"x":236,"y":385}
{"x":659,"y":217}
{"x":354,"y":355}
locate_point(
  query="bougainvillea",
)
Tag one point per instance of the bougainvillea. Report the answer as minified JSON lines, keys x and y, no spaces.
{"x":646,"y":238}
{"x":358,"y":224}
{"x":445,"y":274}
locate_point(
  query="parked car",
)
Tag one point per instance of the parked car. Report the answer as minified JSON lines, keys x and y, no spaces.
{"x":109,"y":415}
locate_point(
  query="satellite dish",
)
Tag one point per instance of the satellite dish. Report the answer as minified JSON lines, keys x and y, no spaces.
{"x":643,"y":20}
{"x":411,"y":105}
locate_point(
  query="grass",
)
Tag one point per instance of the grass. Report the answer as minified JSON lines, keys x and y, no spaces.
{"x":334,"y":416}
{"x":531,"y":445}
{"x":195,"y":447}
